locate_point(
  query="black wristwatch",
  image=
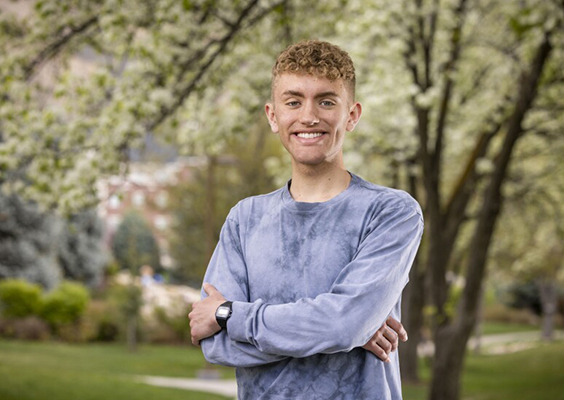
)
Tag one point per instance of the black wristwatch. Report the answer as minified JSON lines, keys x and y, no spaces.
{"x":223,"y":313}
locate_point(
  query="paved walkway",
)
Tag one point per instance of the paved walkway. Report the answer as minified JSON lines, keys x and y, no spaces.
{"x":224,"y":387}
{"x":500,"y":343}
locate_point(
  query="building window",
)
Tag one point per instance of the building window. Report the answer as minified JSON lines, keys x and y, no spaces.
{"x":162,"y":199}
{"x":138,"y":198}
{"x":114,"y":202}
{"x":161,"y":222}
{"x":113,"y":221}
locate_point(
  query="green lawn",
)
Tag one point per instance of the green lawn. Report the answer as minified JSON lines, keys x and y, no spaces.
{"x":94,"y":371}
{"x":492,"y":328}
{"x":526,"y":375}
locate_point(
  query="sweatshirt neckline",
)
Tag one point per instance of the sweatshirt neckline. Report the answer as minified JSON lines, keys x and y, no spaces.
{"x":292,"y":204}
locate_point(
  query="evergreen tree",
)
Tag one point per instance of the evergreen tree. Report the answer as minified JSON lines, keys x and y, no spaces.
{"x":28,"y":242}
{"x":80,"y":251}
{"x":44,"y":248}
{"x":134,"y":244}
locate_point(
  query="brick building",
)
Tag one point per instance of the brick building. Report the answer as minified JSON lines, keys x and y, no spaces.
{"x":144,"y":188}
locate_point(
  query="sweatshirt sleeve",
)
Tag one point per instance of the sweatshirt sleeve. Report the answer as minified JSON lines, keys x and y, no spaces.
{"x":360,"y":300}
{"x":227,"y":272}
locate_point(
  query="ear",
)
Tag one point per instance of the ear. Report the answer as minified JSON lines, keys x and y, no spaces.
{"x":269,"y":109}
{"x":354,"y":116}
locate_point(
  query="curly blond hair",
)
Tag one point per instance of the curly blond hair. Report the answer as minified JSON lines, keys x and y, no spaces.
{"x":318,"y":58}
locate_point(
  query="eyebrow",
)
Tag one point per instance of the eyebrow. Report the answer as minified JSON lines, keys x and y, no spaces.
{"x":300,"y":94}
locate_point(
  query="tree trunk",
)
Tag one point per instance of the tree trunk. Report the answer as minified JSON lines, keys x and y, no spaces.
{"x":479,"y":324}
{"x":549,"y":299}
{"x":413,"y":301}
{"x":210,"y":207}
{"x":451,"y":339}
{"x":132,"y":333}
{"x":450,"y":347}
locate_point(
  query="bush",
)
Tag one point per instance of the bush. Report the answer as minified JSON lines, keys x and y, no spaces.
{"x":26,"y":328}
{"x":30,"y":328}
{"x":168,"y":329}
{"x":103,"y":321}
{"x":501,"y":313}
{"x":522,"y":295}
{"x":19,"y":298}
{"x":65,"y":305}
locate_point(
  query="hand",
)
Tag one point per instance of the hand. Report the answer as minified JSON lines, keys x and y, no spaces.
{"x":385,"y":340}
{"x":202,"y":316}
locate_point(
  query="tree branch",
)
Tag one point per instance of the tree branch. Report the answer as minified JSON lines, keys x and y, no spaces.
{"x":492,"y":200}
{"x":448,"y":87}
{"x":222,"y":45}
{"x":56,"y":46}
{"x":476,"y":85}
{"x":461,"y":195}
{"x":408,"y":58}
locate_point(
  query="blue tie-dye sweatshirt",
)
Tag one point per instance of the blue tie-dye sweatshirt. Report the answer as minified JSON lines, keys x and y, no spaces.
{"x":310,"y":284}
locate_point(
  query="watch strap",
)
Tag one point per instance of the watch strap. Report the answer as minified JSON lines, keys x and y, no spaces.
{"x":222,"y":321}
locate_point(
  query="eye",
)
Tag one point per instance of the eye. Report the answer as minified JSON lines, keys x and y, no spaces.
{"x":293,"y":103}
{"x":327,"y":103}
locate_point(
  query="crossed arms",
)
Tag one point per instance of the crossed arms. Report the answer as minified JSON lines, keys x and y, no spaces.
{"x":352,"y":314}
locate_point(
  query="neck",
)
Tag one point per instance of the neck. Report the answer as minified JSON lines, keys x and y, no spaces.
{"x":319,"y":183}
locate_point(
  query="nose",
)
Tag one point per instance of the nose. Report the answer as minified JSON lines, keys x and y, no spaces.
{"x":308,"y":114}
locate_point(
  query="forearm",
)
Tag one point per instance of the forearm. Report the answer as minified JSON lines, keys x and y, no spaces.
{"x":327,"y":324}
{"x":220,"y":349}
{"x":360,"y":300}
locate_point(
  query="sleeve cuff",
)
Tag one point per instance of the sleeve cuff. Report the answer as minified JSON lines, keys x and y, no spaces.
{"x":237,"y":322}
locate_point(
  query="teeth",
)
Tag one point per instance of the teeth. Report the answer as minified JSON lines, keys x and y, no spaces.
{"x":309,"y":135}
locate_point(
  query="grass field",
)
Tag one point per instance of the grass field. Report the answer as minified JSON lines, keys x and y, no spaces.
{"x":62,"y":371}
{"x":534,"y":374}
{"x":94,"y":371}
{"x":492,"y":328}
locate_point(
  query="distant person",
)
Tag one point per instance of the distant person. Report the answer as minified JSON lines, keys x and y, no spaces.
{"x":158,"y":278}
{"x":146,"y":275}
{"x":309,"y":277}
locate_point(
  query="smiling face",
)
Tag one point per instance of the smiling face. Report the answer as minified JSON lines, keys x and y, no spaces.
{"x":311,"y":115}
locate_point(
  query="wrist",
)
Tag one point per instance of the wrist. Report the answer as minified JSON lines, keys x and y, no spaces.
{"x":223,"y":313}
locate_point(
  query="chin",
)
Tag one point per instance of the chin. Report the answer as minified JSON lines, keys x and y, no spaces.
{"x":311,"y":162}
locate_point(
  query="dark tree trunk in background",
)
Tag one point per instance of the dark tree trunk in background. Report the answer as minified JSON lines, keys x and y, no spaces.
{"x":451,"y":338}
{"x":132,"y":333}
{"x":548,"y":289}
{"x":210,"y":207}
{"x":413,"y":301}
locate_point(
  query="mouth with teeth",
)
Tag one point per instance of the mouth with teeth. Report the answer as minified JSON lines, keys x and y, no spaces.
{"x":309,"y":135}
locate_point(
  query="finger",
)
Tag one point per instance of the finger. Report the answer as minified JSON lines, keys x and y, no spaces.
{"x":209,"y":289}
{"x":398,"y":328}
{"x":392,"y":337}
{"x":377,"y":351}
{"x":385,"y":344}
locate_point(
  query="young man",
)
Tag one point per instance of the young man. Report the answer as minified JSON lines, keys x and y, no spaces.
{"x":314,"y":269}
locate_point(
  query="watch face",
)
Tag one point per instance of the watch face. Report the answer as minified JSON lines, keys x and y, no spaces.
{"x":222,"y":312}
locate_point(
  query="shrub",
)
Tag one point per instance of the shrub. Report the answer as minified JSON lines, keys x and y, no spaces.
{"x":102,"y":321}
{"x":26,"y":328}
{"x":65,"y":305}
{"x":168,"y":329}
{"x":521,"y":295}
{"x":5,"y":327}
{"x":19,"y":298}
{"x":30,"y":328}
{"x":501,"y":313}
